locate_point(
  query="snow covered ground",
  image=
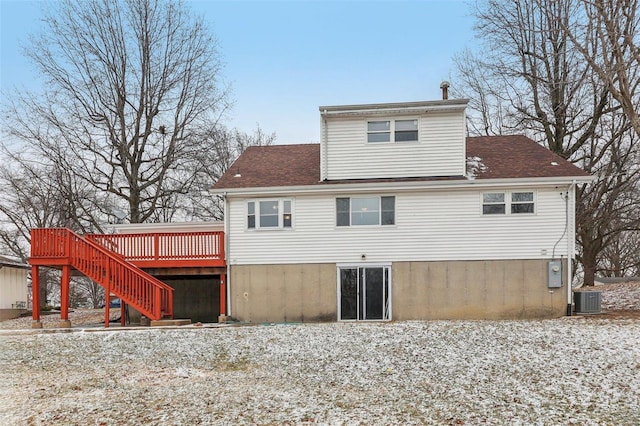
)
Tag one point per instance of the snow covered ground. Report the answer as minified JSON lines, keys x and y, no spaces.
{"x":78,"y":317}
{"x":563,"y":371}
{"x":579,"y":370}
{"x":619,"y":296}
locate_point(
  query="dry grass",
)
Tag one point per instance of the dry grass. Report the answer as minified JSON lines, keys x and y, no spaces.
{"x":564,"y":371}
{"x":581,"y":370}
{"x":78,"y":317}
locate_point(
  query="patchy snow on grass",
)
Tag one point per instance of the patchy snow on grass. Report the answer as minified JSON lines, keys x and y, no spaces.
{"x":564,"y":371}
{"x":78,"y":317}
{"x":620,"y":296}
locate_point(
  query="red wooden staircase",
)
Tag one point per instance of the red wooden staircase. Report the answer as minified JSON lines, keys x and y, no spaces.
{"x":62,"y":248}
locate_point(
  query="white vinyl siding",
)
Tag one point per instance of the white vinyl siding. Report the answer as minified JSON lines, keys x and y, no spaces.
{"x":13,"y":287}
{"x":429,"y":226}
{"x":440,"y":150}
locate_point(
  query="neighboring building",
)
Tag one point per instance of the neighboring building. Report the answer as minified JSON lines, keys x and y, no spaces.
{"x":14,"y":294}
{"x":397,"y":215}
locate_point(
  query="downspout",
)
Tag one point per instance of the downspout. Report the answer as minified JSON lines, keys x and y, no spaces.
{"x":225,"y":212}
{"x":570,"y":193}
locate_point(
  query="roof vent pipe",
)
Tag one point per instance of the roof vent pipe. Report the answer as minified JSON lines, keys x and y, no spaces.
{"x":445,"y":90}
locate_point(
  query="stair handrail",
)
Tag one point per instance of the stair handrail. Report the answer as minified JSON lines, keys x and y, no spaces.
{"x":63,"y":242}
{"x":91,"y":238}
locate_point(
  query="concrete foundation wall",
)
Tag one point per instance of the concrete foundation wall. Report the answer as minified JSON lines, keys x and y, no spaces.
{"x":475,"y":290}
{"x":420,"y":291}
{"x":284,"y":293}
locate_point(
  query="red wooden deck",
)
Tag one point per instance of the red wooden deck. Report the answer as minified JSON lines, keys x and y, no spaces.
{"x":116,"y":261}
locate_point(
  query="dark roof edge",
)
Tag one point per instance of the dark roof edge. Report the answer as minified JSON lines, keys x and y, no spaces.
{"x":418,"y":104}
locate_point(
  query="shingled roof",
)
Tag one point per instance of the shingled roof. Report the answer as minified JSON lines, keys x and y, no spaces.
{"x":5,"y":261}
{"x":489,"y":157}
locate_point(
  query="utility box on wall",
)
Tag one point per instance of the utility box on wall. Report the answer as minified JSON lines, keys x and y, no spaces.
{"x":555,"y":274}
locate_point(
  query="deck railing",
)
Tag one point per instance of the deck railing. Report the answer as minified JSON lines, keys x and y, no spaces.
{"x":60,"y":246}
{"x":168,"y":249}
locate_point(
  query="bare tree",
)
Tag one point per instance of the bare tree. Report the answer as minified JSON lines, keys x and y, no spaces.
{"x":607,"y":210}
{"x":128,"y":86}
{"x":28,"y":201}
{"x":621,"y":258}
{"x":608,"y":37}
{"x":529,"y":78}
{"x":226,"y":145}
{"x":489,"y":102}
{"x":88,"y":291}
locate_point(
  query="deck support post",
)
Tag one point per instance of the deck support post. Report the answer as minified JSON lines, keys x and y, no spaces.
{"x":35,"y":297}
{"x":157,"y":303}
{"x":64,"y":292}
{"x":107,"y":296}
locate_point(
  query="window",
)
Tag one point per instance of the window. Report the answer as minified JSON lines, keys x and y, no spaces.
{"x":286,"y":214}
{"x":251,"y":214}
{"x":379,"y":131}
{"x":507,"y":203}
{"x":392,"y":131}
{"x":388,"y":210}
{"x":406,"y":131}
{"x":521,"y":202}
{"x":357,"y":211}
{"x":269,"y":214}
{"x":493,"y":203}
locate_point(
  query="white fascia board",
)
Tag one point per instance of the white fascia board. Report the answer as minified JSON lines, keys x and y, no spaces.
{"x":394,"y":109}
{"x":459,"y":184}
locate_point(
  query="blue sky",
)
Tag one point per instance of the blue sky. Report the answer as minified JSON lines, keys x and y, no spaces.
{"x":284,"y":59}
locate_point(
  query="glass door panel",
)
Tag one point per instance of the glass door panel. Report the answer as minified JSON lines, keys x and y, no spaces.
{"x":349,"y":294}
{"x":364,"y":293}
{"x":374,"y":294}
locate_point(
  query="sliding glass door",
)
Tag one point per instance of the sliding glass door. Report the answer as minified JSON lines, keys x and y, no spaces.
{"x":364,"y":293}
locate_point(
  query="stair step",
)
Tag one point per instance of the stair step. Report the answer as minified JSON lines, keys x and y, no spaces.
{"x":169,"y":322}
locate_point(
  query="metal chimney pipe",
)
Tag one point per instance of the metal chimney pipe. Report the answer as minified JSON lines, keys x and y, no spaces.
{"x":445,"y":90}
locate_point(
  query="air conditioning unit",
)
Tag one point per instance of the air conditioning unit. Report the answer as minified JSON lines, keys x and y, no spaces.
{"x":587,"y":302}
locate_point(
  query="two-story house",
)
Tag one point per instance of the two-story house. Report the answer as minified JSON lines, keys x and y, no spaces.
{"x":396,"y":214}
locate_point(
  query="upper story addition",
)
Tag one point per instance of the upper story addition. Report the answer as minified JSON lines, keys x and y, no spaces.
{"x":393,"y":140}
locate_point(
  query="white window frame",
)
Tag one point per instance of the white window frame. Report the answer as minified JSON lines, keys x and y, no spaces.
{"x":392,"y":130}
{"x":508,"y":202}
{"x":532,"y":202}
{"x":281,"y":214}
{"x":350,"y":211}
